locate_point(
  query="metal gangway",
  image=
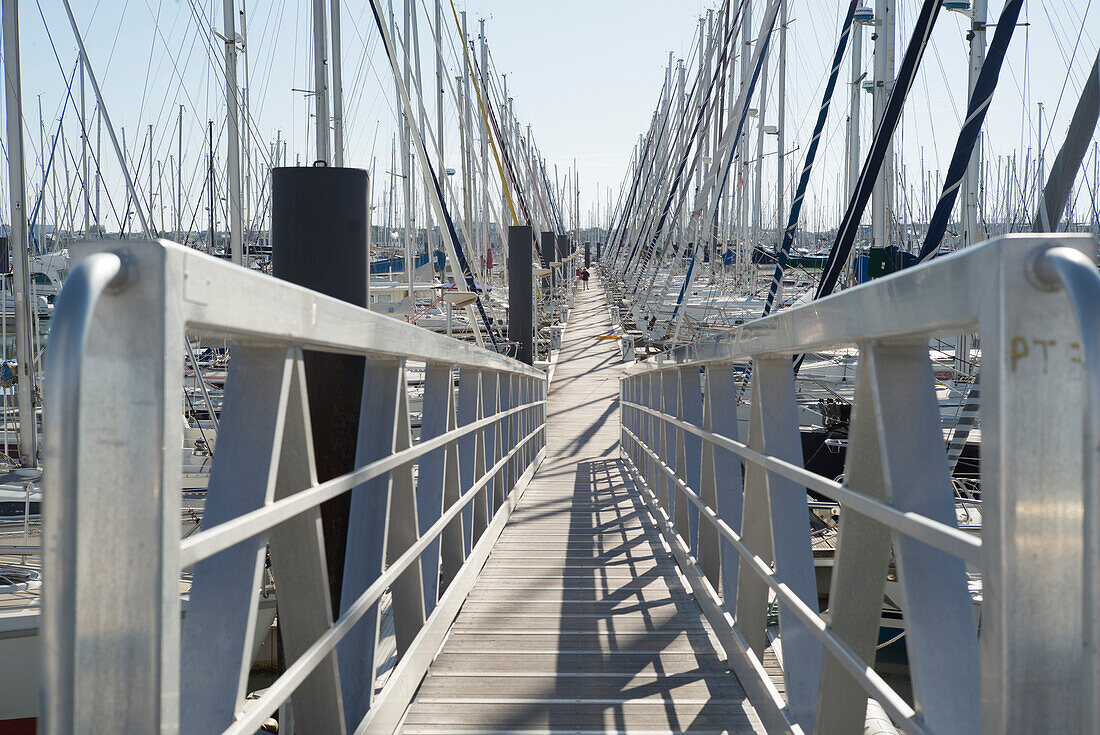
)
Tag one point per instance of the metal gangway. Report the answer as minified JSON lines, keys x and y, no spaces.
{"x":592,"y":547}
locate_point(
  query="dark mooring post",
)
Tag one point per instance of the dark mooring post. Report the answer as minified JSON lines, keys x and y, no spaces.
{"x":547,"y":243}
{"x":519,"y":293}
{"x":587,"y":254}
{"x":547,"y":248}
{"x":319,"y":240}
{"x":563,"y":253}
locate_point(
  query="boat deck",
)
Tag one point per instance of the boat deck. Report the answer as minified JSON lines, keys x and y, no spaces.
{"x":580,"y":621}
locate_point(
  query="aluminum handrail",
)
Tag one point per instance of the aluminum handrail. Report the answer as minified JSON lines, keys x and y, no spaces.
{"x":1035,"y":302}
{"x":113,"y":498}
{"x":91,"y":279}
{"x":1071,"y":270}
{"x":936,"y":534}
{"x":895,"y":705}
{"x":206,"y":543}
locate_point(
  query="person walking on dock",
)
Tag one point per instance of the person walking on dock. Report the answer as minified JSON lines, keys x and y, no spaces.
{"x":584,"y":278}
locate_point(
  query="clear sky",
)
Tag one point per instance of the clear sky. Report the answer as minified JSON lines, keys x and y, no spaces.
{"x":584,"y":73}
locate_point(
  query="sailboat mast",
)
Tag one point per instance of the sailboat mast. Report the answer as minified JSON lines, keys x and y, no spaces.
{"x":210,"y":186}
{"x":419,"y":78}
{"x":468,"y":157}
{"x":758,"y":203}
{"x":781,"y":122}
{"x":337,"y":89}
{"x":56,"y":208}
{"x":970,"y":233}
{"x":970,"y":182}
{"x":28,"y":436}
{"x":744,"y":254}
{"x":851,"y":164}
{"x":883,"y":193}
{"x":150,"y":208}
{"x":442,"y":173}
{"x":84,"y":153}
{"x":320,"y":80}
{"x":42,"y":191}
{"x":179,"y":178}
{"x":853,"y":112}
{"x":233,"y":116}
{"x":406,"y":154}
{"x":485,"y":237}
{"x":99,"y":160}
{"x":247,"y":155}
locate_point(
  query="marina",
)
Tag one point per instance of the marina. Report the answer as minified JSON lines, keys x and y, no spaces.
{"x":792,"y":428}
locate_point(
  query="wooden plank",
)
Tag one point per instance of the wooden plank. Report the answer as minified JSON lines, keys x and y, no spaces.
{"x":674,"y":640}
{"x":606,"y":625}
{"x":610,"y":687}
{"x":566,"y":663}
{"x":540,"y":590}
{"x":583,"y":582}
{"x":574,"y":608}
{"x":575,"y":716}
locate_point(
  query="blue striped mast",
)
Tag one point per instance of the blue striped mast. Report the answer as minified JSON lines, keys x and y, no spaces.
{"x":808,"y":164}
{"x":846,"y":233}
{"x":976,"y":111}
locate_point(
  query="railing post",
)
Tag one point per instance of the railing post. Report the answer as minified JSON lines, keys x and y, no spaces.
{"x":490,"y":405}
{"x":469,"y":446}
{"x":216,"y":648}
{"x":670,"y":436}
{"x":435,"y":421}
{"x":113,"y":357}
{"x":751,"y":613}
{"x":452,"y":551}
{"x":790,"y":527}
{"x":407,"y":591}
{"x":1032,"y":414}
{"x":727,"y":470}
{"x":298,"y":567}
{"x":629,"y":392}
{"x":505,"y":483}
{"x":691,"y":407}
{"x":655,"y":477}
{"x":366,"y":555}
{"x":859,"y":566}
{"x":483,"y":450}
{"x":530,"y":419}
{"x":721,"y":482}
{"x":626,"y":417}
{"x":538,"y":416}
{"x":941,"y":637}
{"x":519,"y":425}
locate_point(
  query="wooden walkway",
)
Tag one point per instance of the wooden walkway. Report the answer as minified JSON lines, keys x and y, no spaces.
{"x":580,"y":621}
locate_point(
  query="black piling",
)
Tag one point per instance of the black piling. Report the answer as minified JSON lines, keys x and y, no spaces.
{"x":319,"y":229}
{"x":563,"y":253}
{"x":520,"y":292}
{"x":547,"y":249}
